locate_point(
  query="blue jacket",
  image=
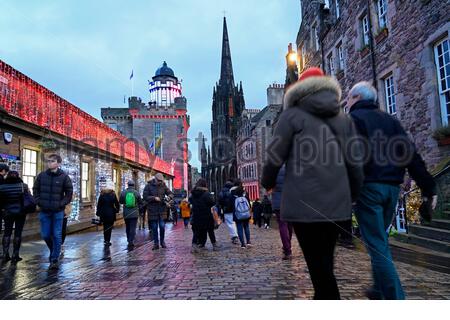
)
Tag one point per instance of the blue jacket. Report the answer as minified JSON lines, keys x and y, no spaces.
{"x":386,"y":161}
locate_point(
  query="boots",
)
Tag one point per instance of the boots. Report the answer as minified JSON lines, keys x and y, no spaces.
{"x":16,"y":246}
{"x":6,"y":242}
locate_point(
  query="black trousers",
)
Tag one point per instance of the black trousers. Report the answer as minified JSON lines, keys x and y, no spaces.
{"x":16,"y":221}
{"x":201,"y":235}
{"x":267,"y":219}
{"x":130,"y":228}
{"x":64,"y":229}
{"x":318,"y":240}
{"x":107,"y":230}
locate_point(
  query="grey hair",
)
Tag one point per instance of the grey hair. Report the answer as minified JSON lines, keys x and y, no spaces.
{"x":365,"y":90}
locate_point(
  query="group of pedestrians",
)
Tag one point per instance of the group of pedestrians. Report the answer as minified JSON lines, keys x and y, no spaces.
{"x":333,"y":160}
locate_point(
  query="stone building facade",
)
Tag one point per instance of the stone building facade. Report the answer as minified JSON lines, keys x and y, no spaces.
{"x":219,"y":163}
{"x":394,"y":45}
{"x":160,"y":126}
{"x":35,"y":122}
{"x":401,"y":47}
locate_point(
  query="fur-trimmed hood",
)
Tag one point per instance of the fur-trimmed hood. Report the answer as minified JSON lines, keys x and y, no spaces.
{"x":316,"y":95}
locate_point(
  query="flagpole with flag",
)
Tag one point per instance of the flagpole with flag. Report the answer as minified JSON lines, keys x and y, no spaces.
{"x":132,"y":83}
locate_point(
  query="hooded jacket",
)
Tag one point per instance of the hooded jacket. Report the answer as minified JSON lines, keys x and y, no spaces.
{"x":202,"y":202}
{"x":156,"y":209}
{"x":226,"y":201}
{"x":311,"y":138}
{"x":52,"y":191}
{"x":130,"y":213}
{"x":107,"y":206}
{"x":11,"y":195}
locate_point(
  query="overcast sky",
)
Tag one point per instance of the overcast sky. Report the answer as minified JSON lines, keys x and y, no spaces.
{"x":85,"y":50}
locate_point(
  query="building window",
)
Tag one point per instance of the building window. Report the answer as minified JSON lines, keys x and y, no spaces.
{"x":382,"y":13}
{"x":389,"y":91}
{"x":330,"y":64}
{"x":29,"y":167}
{"x":315,"y":37}
{"x":340,"y":52}
{"x":302,"y":57}
{"x":327,"y":4}
{"x":85,"y":182}
{"x":267,"y":122}
{"x":338,"y":10}
{"x":442,"y":57}
{"x":157,"y":139}
{"x":365,"y":30}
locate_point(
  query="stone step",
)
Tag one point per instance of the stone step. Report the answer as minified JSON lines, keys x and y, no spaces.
{"x":439,"y":224}
{"x":430,"y":232}
{"x":429,"y":244}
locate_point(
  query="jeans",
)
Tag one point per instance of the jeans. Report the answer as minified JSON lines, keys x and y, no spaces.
{"x":154,"y":225}
{"x":318,"y":240}
{"x":186,"y":222}
{"x":242,"y":226}
{"x":51,"y":232}
{"x":374,"y":211}
{"x":230,"y":225}
{"x":285,"y":229}
{"x":107,"y":230}
{"x":130,"y":226}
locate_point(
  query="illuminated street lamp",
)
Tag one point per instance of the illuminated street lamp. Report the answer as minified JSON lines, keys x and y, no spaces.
{"x":291,"y":66}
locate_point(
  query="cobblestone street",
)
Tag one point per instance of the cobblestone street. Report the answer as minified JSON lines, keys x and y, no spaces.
{"x":89,"y":272}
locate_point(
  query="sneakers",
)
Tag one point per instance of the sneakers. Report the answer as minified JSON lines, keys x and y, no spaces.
{"x":249,"y":244}
{"x":163,"y":245}
{"x":107,"y":243}
{"x":155,"y":247}
{"x":216,"y":246}
{"x":372,"y":294}
{"x":235,"y":240}
{"x":130,"y":246}
{"x":286,"y":257}
{"x":243,"y":247}
{"x":195,"y":249}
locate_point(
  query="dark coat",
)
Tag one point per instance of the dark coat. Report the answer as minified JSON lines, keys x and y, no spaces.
{"x":107,"y":206}
{"x":11,"y":195}
{"x":257,"y":210}
{"x":131,"y":213}
{"x":370,"y":121}
{"x":277,"y":191}
{"x":312,"y":135}
{"x":202,"y":202}
{"x":53,"y":190}
{"x":156,"y":209}
{"x":226,"y":201}
{"x":267,"y":208}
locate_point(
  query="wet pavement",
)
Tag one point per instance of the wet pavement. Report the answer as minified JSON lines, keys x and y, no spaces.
{"x":88,"y":271}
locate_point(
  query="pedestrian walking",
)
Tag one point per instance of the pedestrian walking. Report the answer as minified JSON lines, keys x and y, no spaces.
{"x":285,"y":228}
{"x":202,"y":218}
{"x":142,"y":216}
{"x":226,"y":201}
{"x":53,"y":192}
{"x":267,"y":211}
{"x":154,"y":193}
{"x":241,"y":213}
{"x":322,"y":176}
{"x":107,"y":208}
{"x":384,"y":172}
{"x":12,"y":191}
{"x":4,"y":169}
{"x":131,"y":201}
{"x":257,"y":213}
{"x":185,"y":212}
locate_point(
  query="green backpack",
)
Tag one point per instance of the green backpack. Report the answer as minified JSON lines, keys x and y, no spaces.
{"x":130,"y":200}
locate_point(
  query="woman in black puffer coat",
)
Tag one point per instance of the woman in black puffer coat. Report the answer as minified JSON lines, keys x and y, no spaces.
{"x":11,"y":196}
{"x":202,"y":219}
{"x":107,"y":208}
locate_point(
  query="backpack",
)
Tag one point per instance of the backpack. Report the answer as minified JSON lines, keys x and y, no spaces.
{"x":130,"y":200}
{"x":242,"y":208}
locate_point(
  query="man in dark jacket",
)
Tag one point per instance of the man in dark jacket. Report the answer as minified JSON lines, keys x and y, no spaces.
{"x":132,"y":201}
{"x":390,"y":153}
{"x":257,"y":213}
{"x":323,"y":175}
{"x":155,"y":193}
{"x":3,"y":172}
{"x":226,"y":201}
{"x":52,"y":191}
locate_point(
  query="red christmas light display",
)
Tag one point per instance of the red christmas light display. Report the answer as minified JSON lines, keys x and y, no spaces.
{"x":26,"y":99}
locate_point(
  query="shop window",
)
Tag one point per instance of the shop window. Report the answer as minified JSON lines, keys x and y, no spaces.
{"x":29,"y":167}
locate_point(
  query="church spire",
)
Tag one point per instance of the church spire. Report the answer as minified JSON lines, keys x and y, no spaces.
{"x":226,"y":71}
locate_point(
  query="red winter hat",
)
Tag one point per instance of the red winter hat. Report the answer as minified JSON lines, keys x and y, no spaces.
{"x":311,"y":72}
